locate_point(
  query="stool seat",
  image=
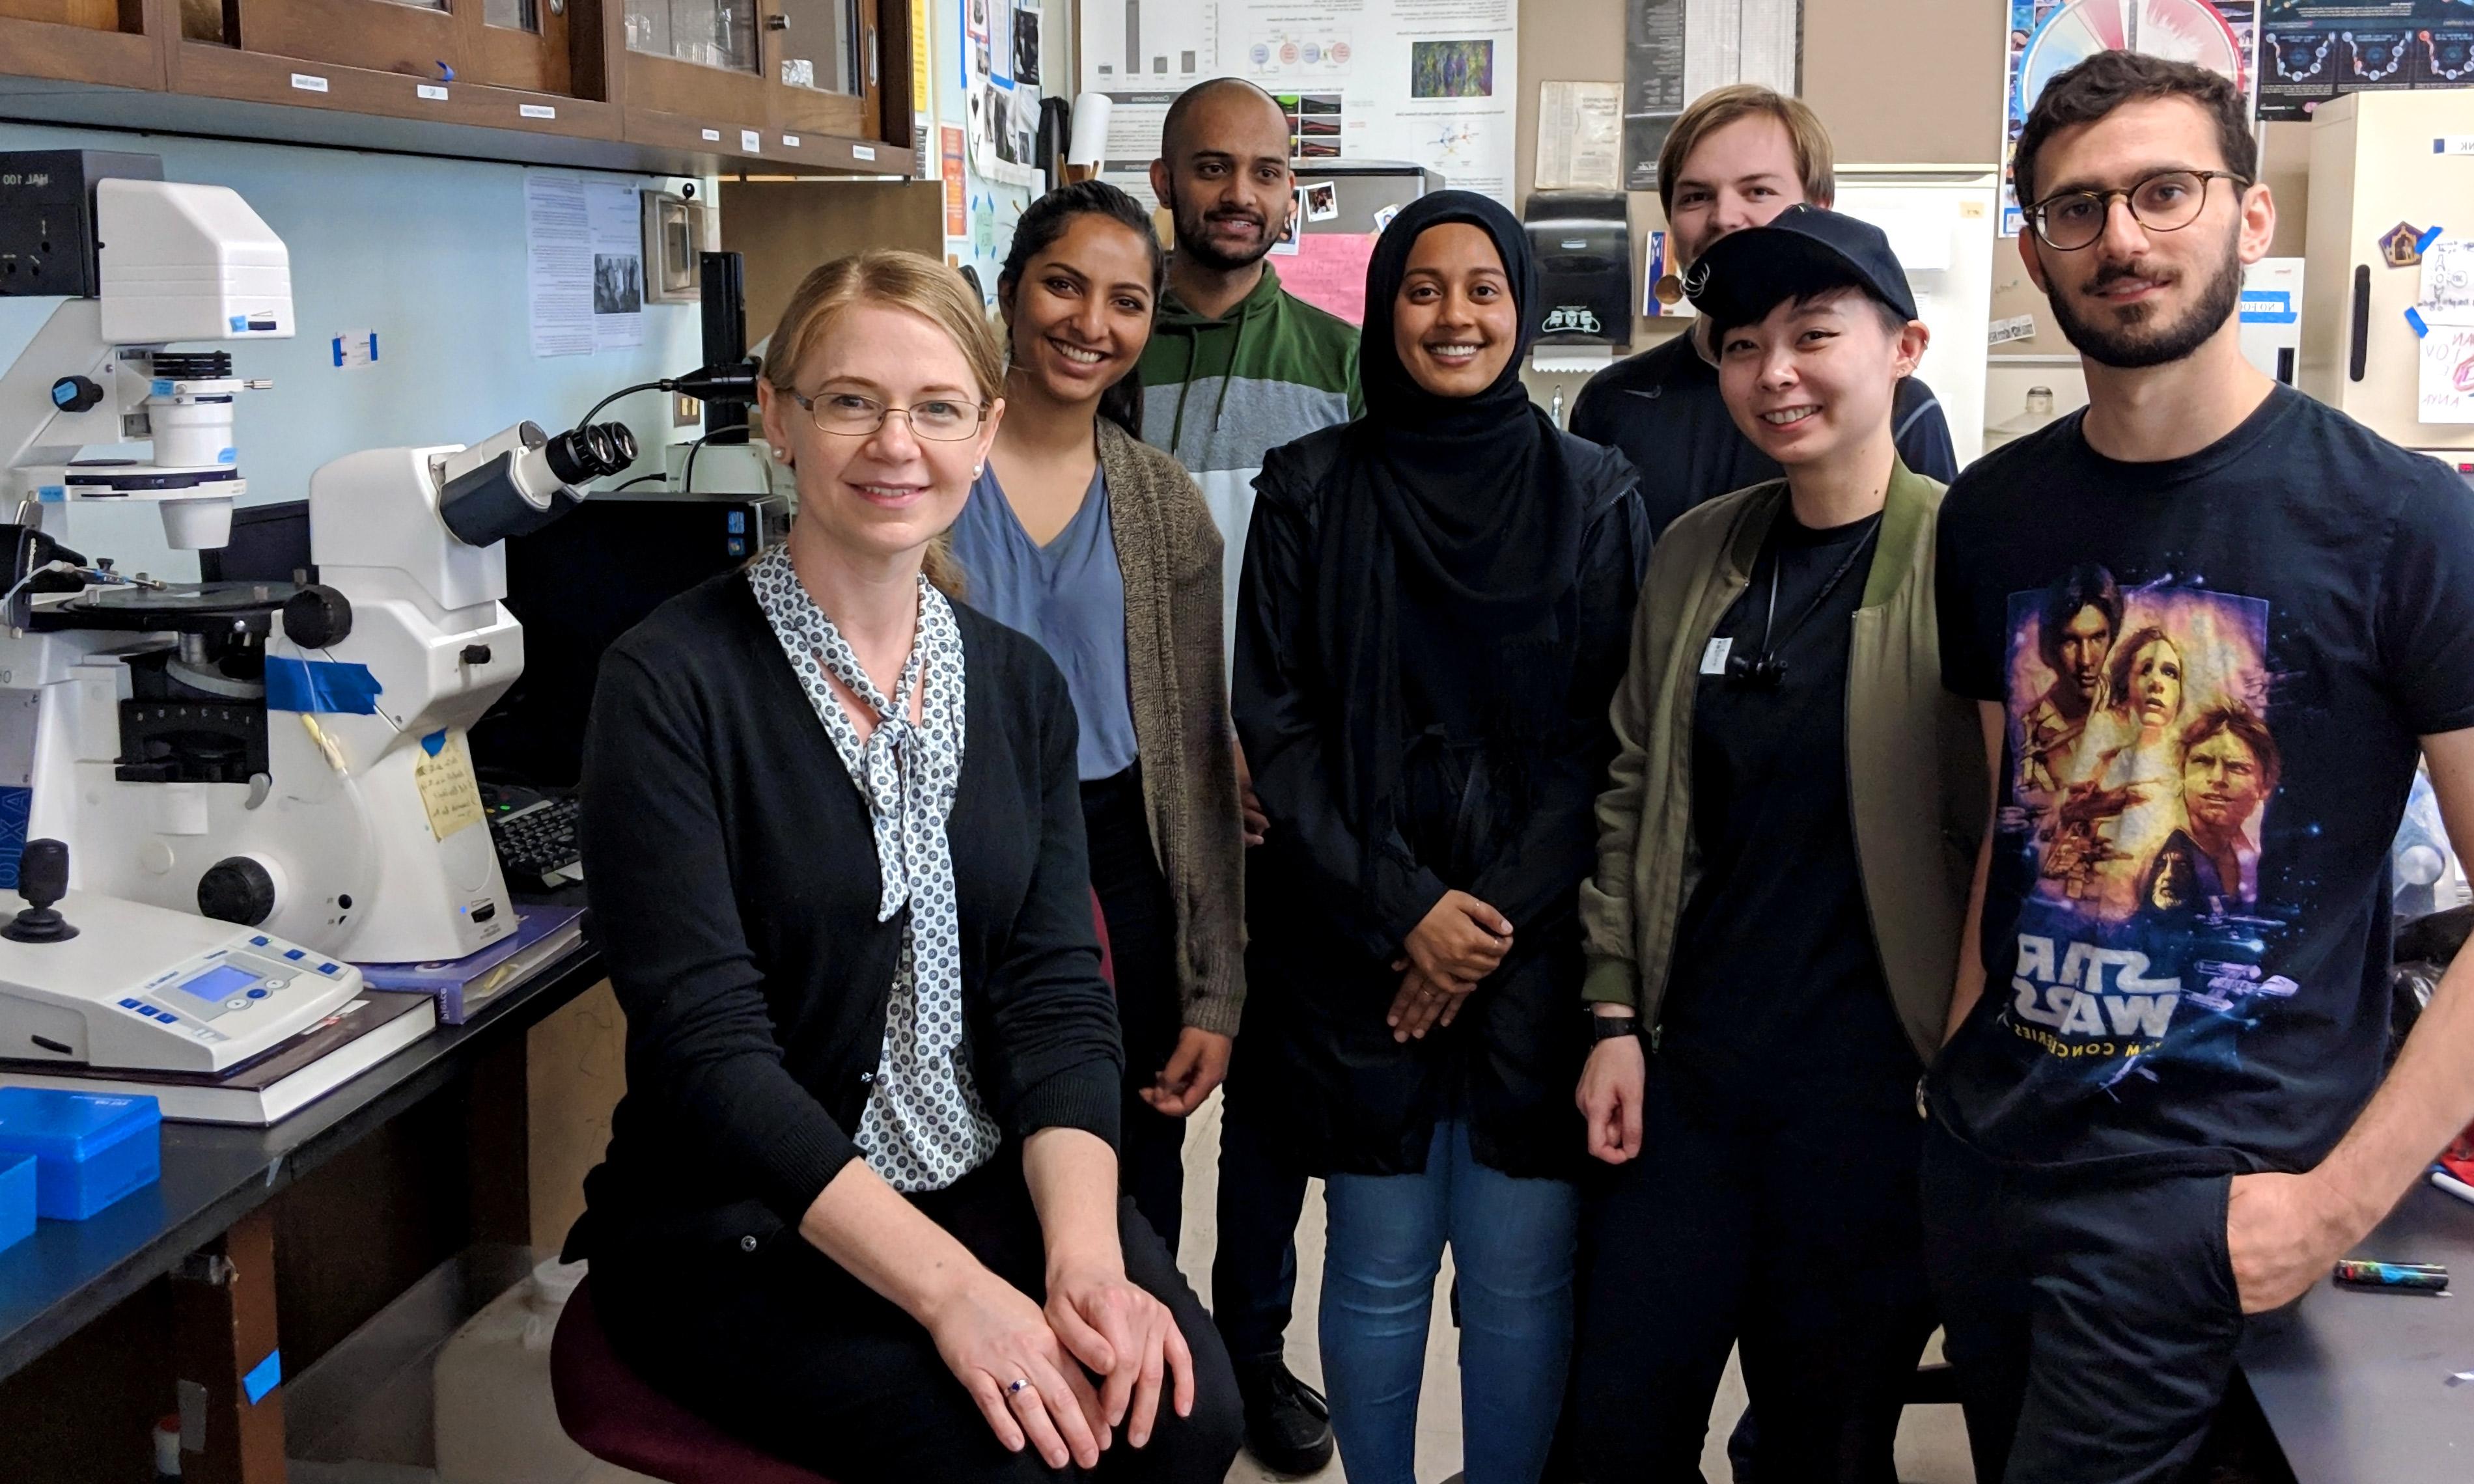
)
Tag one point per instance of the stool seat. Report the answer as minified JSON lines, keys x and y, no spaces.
{"x":611,"y":1413}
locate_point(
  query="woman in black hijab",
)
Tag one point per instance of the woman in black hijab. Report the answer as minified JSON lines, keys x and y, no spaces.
{"x":1434,"y":616}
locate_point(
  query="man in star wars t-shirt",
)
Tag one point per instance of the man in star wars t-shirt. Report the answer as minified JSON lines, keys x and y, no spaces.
{"x":2211,"y":623}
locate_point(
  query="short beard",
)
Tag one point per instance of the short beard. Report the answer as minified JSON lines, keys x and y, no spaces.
{"x":1190,"y":241}
{"x":2133,"y":347}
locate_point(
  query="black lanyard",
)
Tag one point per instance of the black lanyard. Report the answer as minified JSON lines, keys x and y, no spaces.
{"x":1765,"y":671}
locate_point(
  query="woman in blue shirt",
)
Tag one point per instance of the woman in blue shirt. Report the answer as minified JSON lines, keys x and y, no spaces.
{"x":1101,"y":549}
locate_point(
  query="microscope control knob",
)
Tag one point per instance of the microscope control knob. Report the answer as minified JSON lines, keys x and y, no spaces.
{"x":236,"y":889}
{"x":75,"y":394}
{"x":316,"y":616}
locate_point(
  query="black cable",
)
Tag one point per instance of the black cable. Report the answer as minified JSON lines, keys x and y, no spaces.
{"x":687,"y":476}
{"x":642,"y":386}
{"x":638,"y":480}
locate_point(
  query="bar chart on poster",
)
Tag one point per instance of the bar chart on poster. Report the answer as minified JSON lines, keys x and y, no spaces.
{"x":1429,"y":81}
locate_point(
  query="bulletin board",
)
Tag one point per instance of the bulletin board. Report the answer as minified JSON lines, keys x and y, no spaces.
{"x":988,"y":82}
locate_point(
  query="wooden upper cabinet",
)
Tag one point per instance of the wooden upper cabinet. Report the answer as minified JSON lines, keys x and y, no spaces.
{"x":80,"y":41}
{"x":791,"y":67}
{"x":523,"y":44}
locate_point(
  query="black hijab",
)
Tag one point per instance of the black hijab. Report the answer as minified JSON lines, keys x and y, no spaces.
{"x":1451,"y":540}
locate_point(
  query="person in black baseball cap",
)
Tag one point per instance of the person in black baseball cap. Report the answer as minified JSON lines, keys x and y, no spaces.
{"x":1776,"y":896}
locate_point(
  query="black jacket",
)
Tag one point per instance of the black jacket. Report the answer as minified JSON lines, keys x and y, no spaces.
{"x":734,"y":882}
{"x":1326,"y":917}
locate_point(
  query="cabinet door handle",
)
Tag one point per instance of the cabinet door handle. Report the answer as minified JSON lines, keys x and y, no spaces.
{"x":868,"y":44}
{"x":777,"y":21}
{"x":2361,"y":350}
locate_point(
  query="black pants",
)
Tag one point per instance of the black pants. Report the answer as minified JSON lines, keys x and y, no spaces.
{"x":1794,"y":1235}
{"x":2091,"y":1314}
{"x":1142,"y":947}
{"x":1262,"y":1193}
{"x":783,"y":1348}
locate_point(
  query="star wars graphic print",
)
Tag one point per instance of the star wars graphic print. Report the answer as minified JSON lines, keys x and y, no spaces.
{"x":2144,"y":762}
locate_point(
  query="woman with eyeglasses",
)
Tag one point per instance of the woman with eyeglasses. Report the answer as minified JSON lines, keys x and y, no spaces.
{"x":1783,"y":858}
{"x":1100,"y":547}
{"x":860,"y":1204}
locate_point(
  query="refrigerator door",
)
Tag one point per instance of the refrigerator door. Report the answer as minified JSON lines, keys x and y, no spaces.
{"x":2374,"y":166}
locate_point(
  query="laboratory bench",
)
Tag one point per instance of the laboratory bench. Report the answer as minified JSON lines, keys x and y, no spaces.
{"x":2376,"y":1386}
{"x":169,"y":1298}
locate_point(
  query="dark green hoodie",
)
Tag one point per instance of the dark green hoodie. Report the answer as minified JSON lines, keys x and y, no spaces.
{"x":1218,"y":394}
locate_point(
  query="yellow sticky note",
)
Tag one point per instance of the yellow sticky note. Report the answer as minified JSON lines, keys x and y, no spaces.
{"x":449,"y":795}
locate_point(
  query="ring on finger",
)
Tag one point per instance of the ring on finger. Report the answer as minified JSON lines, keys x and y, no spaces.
{"x":1018,"y":1386}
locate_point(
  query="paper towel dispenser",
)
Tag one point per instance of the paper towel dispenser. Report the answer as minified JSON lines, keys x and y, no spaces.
{"x":1583,"y":243}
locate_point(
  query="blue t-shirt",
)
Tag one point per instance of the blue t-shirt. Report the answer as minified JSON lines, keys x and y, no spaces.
{"x":2215,"y":670}
{"x":1070,"y":595}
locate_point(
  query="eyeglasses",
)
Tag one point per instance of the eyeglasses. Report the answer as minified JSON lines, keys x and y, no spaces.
{"x":939,"y":419}
{"x":2165,"y":201}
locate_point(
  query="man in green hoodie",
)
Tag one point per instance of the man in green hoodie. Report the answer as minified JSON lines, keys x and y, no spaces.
{"x":1235,"y":367}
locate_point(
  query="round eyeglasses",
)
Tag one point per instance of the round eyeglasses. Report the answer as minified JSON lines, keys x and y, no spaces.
{"x":937,"y":420}
{"x":2165,"y":201}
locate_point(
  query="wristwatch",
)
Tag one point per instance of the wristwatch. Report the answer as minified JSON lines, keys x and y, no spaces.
{"x":1613,"y":1027}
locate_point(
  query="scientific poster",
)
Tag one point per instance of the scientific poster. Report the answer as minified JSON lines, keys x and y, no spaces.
{"x":1431,"y":81}
{"x":1676,"y":50}
{"x":2314,"y":50}
{"x":2050,"y":36}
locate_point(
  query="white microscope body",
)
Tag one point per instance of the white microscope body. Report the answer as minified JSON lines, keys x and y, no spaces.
{"x":177,"y":263}
{"x":290,"y":760}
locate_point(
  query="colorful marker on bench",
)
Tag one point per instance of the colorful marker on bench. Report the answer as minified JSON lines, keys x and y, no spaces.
{"x":2362,"y":1273}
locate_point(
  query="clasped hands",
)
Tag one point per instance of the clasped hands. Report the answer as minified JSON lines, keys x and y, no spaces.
{"x":1459,"y":942}
{"x":991,"y":1335}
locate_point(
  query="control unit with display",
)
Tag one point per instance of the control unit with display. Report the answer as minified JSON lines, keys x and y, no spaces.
{"x":109,"y":983}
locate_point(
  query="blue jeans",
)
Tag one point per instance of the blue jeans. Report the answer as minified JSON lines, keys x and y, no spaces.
{"x":1512,"y":1242}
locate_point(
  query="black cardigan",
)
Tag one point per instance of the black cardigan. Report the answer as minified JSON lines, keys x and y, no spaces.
{"x":734,"y":884}
{"x":1326,"y":914}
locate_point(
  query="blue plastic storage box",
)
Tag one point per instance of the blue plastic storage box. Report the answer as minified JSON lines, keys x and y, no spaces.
{"x":90,"y":1149}
{"x":16,"y":1198}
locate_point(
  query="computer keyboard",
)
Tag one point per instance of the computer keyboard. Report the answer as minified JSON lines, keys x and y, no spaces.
{"x":536,"y":842}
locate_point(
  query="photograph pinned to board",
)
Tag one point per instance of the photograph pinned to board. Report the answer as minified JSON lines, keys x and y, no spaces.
{"x":2048,"y":37}
{"x":1286,"y":244}
{"x":1322,"y":201}
{"x":1026,"y":43}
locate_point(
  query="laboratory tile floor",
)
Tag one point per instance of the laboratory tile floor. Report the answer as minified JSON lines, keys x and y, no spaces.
{"x":1933,"y":1440}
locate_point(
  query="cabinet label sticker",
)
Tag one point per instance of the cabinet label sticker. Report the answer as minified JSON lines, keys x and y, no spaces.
{"x":536,"y":111}
{"x":307,"y":84}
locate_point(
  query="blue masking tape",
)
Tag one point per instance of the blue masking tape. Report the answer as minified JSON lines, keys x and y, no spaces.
{"x":434,"y":743}
{"x":320,"y":686}
{"x":2414,"y":318}
{"x":2422,"y":244}
{"x":267,"y":1375}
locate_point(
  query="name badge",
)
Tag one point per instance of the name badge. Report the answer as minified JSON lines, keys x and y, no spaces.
{"x":1714,"y":658}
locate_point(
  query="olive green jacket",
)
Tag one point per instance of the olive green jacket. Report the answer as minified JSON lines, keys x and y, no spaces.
{"x":1915,"y":759}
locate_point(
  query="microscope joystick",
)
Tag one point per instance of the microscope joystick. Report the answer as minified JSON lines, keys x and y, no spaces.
{"x":42,"y":880}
